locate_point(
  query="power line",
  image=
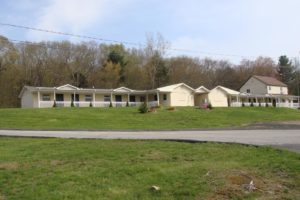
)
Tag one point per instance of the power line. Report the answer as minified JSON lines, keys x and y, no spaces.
{"x":120,"y":42}
{"x":124,"y":42}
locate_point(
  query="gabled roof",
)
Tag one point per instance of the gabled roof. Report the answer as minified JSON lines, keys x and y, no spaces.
{"x":270,"y":81}
{"x":227,"y":90}
{"x":67,"y":87}
{"x":122,"y":89}
{"x":202,"y":89}
{"x":170,"y":88}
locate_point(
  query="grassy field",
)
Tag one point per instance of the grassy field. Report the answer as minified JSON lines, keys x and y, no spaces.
{"x":130,"y":118}
{"x":122,"y":169}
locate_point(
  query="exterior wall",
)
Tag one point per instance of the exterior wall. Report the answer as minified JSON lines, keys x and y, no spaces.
{"x":218,"y":98}
{"x":255,"y":86}
{"x":164,"y":102}
{"x":27,"y":100}
{"x":35,"y":100}
{"x":200,"y":99}
{"x":182,"y":96}
{"x":277,"y":90}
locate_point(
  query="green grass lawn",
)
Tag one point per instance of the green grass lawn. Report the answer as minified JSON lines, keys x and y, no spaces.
{"x":123,"y":169}
{"x":131,"y":119}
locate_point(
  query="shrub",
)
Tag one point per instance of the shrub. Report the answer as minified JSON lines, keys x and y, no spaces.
{"x":91,"y":105}
{"x":243,"y":104}
{"x":54,"y":104}
{"x":259,"y":104}
{"x":127,"y":104}
{"x":110,"y":104}
{"x":267,"y":105}
{"x":143,"y":108}
{"x":209,"y":106}
{"x":72,"y":103}
{"x":251,"y":105}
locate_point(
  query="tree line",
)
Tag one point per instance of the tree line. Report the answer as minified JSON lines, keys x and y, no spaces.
{"x":88,"y":65}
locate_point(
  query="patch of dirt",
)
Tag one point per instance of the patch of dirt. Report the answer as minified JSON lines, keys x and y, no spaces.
{"x":237,"y":187}
{"x":9,"y":165}
{"x":56,"y":162}
{"x":275,"y":125}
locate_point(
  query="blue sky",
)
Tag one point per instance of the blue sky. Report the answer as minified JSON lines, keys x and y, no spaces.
{"x":239,"y":27}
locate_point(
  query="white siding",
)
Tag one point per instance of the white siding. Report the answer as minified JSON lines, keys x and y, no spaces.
{"x":258,"y":87}
{"x":277,"y":90}
{"x":182,"y":96}
{"x":27,"y":99}
{"x":255,"y":86}
{"x":218,"y":98}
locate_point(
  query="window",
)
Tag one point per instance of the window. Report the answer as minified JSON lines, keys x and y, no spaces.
{"x":46,"y":97}
{"x":107,"y":98}
{"x":155,"y":97}
{"x":132,"y":98}
{"x":142,"y":99}
{"x":165,"y":97}
{"x":248,"y":90}
{"x":88,"y":98}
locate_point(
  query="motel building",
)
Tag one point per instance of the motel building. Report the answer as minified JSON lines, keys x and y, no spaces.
{"x":257,"y":91}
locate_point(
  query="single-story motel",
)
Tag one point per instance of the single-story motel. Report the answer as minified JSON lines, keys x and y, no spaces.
{"x":257,"y":91}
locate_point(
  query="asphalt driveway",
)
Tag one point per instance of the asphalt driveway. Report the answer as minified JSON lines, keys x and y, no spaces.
{"x":288,"y":139}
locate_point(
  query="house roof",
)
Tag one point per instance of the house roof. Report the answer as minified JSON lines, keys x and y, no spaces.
{"x":227,"y":90}
{"x":67,"y":87}
{"x":170,"y":88}
{"x":202,"y":89}
{"x":270,"y":81}
{"x":122,"y":89}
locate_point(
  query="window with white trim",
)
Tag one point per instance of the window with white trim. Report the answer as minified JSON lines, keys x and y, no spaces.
{"x":248,"y":90}
{"x":46,"y":97}
{"x":88,"y":98}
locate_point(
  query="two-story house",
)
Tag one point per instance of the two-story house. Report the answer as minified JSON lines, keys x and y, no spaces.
{"x":262,"y":85}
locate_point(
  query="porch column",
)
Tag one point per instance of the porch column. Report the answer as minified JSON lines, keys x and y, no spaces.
{"x":147,"y":99}
{"x":94,"y":99}
{"x":74,"y":99}
{"x":54,"y":94}
{"x":111,"y":97}
{"x":128,"y":97}
{"x":157,"y":98}
{"x":39,"y":103}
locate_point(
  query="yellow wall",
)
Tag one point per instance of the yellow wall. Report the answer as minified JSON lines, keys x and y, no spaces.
{"x":182,"y":96}
{"x":218,"y":98}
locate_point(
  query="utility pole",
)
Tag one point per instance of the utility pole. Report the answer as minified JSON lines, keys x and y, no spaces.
{"x":298,"y":82}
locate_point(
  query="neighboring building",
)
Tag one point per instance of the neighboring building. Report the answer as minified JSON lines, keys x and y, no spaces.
{"x":222,"y":97}
{"x":201,"y":96}
{"x":176,"y":95}
{"x":263,"y":85}
{"x":44,"y":97}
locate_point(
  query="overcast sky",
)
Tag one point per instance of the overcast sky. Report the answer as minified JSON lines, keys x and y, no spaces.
{"x":240,"y":27}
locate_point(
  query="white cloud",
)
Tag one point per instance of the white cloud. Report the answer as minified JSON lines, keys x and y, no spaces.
{"x":74,"y":16}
